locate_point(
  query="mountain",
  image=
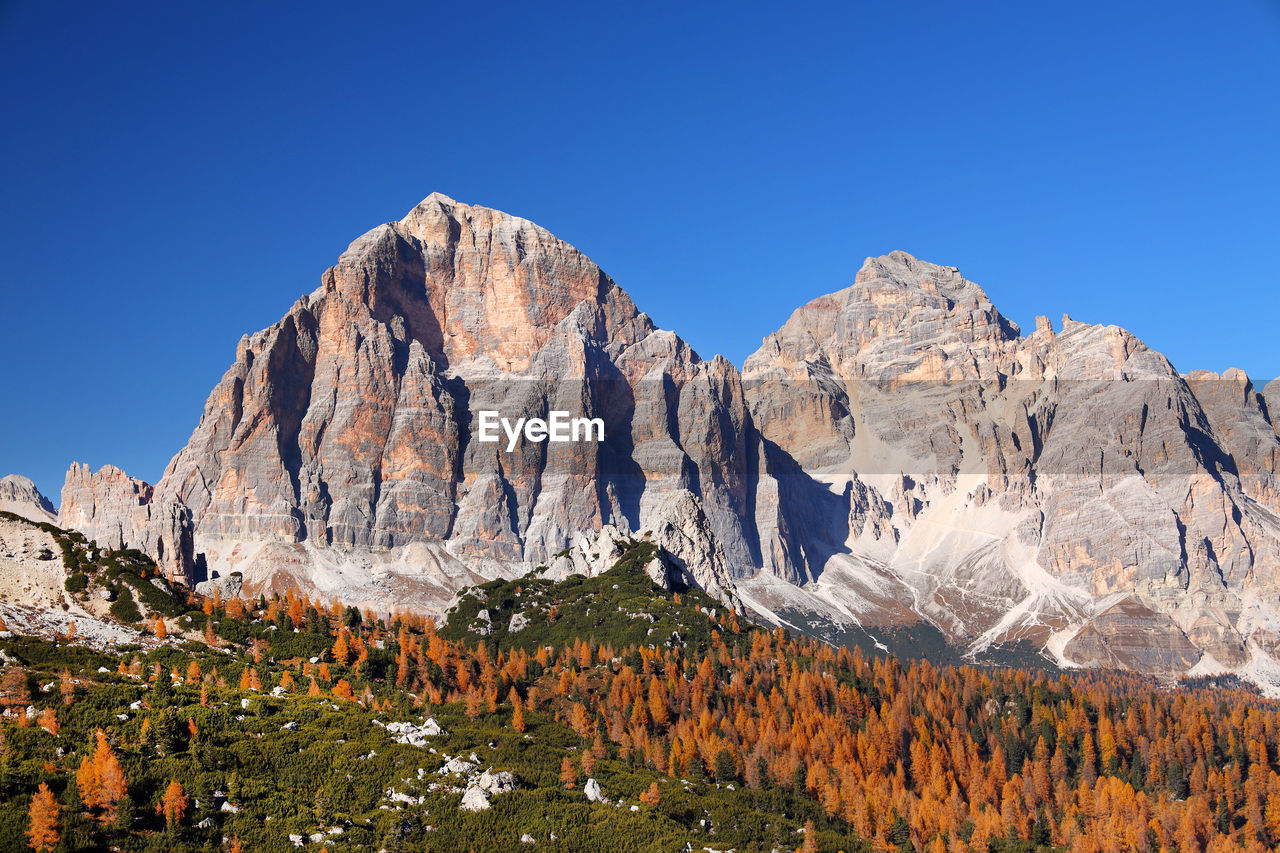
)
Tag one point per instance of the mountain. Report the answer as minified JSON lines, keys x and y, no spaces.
{"x":1068,"y":488}
{"x":898,"y":459}
{"x":20,"y":496}
{"x":337,"y":452}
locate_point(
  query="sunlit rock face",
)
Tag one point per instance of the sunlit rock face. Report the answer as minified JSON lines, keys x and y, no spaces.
{"x":119,"y":511}
{"x":344,"y":436}
{"x":898,"y":452}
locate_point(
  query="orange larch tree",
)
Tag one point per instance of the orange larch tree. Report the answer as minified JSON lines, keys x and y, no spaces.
{"x":48,"y":721}
{"x":173,"y":805}
{"x":43,"y":816}
{"x":568,"y":775}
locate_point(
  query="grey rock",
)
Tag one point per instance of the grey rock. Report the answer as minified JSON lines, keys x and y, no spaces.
{"x":459,"y":766}
{"x":20,"y":496}
{"x":499,"y":782}
{"x":414,"y":735}
{"x":475,"y":799}
{"x":119,"y":511}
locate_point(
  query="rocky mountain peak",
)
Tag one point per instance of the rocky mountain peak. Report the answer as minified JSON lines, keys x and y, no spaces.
{"x":479,"y":289}
{"x":901,"y":317}
{"x":119,"y":511}
{"x":20,"y":496}
{"x":351,"y":423}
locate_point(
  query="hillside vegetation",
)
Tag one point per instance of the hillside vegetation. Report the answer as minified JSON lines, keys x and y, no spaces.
{"x":621,"y":606}
{"x":274,"y":723}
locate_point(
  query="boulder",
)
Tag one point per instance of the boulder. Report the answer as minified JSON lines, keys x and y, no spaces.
{"x":475,"y":799}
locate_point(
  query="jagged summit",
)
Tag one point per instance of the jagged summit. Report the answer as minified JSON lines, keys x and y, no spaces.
{"x":900,"y":315}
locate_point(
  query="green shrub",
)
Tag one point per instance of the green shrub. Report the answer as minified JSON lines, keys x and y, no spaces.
{"x":124,"y":607}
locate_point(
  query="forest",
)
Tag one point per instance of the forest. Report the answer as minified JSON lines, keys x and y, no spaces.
{"x":264,"y":725}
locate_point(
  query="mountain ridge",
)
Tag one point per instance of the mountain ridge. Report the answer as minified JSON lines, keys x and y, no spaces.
{"x":898,"y":452}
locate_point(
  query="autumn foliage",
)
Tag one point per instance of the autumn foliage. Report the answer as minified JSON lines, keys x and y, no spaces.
{"x":909,"y":755}
{"x":49,"y":721}
{"x":173,"y":805}
{"x":961,"y":757}
{"x":100,"y":779}
{"x":43,"y":815}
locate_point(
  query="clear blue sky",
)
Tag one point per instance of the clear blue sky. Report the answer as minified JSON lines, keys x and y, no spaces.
{"x":174,"y":178}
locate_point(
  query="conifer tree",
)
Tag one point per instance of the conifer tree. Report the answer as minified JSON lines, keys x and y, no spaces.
{"x":568,"y":775}
{"x":43,"y":816}
{"x":173,"y":805}
{"x":517,"y":715}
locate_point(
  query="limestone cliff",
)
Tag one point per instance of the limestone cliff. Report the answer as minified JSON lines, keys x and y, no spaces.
{"x":1030,"y":482}
{"x":349,"y":427}
{"x":119,"y":511}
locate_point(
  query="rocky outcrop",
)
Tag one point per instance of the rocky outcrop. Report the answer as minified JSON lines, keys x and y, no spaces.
{"x":1241,"y":422}
{"x":20,"y":496}
{"x":34,"y":600}
{"x":1129,"y":635}
{"x":683,"y":532}
{"x":688,"y":553}
{"x":119,"y":511}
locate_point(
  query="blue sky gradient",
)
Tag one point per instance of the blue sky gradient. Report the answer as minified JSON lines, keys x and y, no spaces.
{"x":175,"y":176}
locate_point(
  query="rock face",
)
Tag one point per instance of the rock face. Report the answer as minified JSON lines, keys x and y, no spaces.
{"x":20,"y":496}
{"x":341,"y":450}
{"x":898,"y":452}
{"x":474,"y":800}
{"x":689,"y":553}
{"x":119,"y":511}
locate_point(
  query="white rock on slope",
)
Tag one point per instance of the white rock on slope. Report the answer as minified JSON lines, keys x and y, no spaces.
{"x":474,"y":800}
{"x":33,"y":596}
